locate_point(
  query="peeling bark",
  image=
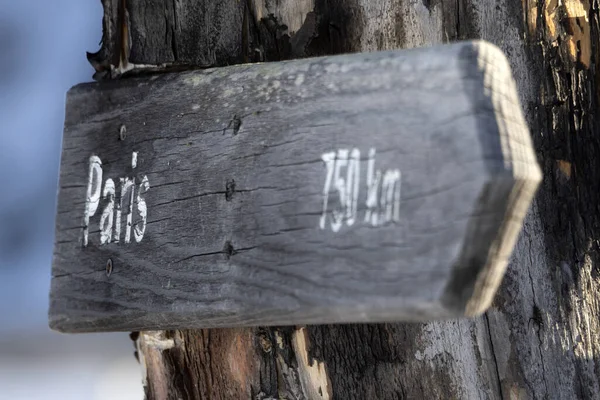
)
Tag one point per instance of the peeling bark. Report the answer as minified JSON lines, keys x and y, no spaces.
{"x":540,"y":340}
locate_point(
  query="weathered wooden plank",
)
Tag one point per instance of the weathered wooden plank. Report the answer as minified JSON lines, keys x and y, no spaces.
{"x":370,"y":187}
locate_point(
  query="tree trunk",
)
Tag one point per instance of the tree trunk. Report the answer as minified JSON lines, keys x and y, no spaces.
{"x":540,"y":339}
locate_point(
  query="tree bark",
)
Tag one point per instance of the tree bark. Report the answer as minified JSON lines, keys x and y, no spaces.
{"x":541,"y":337}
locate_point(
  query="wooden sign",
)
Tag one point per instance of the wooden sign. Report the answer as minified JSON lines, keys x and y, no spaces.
{"x":370,"y":187}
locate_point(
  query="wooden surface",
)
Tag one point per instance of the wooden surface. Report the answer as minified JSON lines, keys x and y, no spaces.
{"x":372,"y":187}
{"x":540,"y":339}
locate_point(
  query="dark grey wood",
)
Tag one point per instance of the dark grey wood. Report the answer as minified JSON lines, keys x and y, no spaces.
{"x":229,"y":163}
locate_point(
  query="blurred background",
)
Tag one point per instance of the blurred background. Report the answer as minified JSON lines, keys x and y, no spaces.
{"x":42,"y":54}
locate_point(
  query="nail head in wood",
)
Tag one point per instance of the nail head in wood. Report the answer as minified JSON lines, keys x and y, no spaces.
{"x":109,"y":267}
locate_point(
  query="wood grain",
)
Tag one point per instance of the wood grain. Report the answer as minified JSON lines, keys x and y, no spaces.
{"x":234,"y":162}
